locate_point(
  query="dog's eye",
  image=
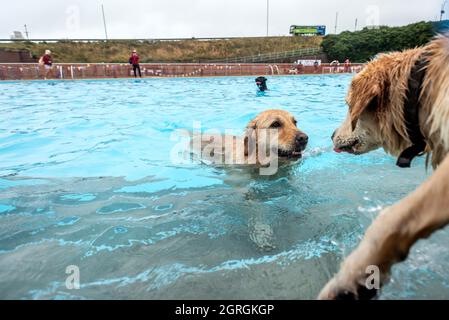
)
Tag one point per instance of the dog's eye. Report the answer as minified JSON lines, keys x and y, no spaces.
{"x":295,"y":122}
{"x":275,"y":124}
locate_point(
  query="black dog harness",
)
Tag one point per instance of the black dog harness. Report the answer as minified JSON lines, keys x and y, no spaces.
{"x":411,"y":115}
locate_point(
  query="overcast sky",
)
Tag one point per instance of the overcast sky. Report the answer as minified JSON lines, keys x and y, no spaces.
{"x":202,"y":18}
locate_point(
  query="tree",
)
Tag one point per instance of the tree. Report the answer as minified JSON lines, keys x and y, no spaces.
{"x":361,"y":46}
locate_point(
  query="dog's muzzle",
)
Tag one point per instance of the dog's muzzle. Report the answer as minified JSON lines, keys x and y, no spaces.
{"x":301,"y":141}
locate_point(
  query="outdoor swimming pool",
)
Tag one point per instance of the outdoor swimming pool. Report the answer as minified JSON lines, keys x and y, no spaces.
{"x":86,"y":180}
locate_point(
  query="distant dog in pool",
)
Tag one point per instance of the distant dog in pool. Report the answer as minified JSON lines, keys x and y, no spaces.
{"x":270,"y":137}
{"x":400,"y":102}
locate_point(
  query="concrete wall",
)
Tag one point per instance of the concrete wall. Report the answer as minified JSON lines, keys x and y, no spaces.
{"x":16,"y":56}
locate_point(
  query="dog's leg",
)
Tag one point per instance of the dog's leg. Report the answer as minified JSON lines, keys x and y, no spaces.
{"x":260,"y":230}
{"x":390,"y":237}
{"x":261,"y":233}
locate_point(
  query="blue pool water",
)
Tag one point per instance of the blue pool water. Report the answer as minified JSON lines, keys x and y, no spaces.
{"x":86,"y":179}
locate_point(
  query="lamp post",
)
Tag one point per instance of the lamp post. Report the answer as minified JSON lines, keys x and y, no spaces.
{"x":442,"y":12}
{"x":104,"y":23}
{"x":268,"y":14}
{"x":26,"y":31}
{"x":336,"y":22}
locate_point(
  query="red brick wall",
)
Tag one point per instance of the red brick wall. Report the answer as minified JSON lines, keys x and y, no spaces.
{"x":10,"y":71}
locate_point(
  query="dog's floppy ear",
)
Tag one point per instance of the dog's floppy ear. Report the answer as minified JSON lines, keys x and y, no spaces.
{"x":367,"y":93}
{"x":252,"y":125}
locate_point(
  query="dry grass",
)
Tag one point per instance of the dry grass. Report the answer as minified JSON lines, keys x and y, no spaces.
{"x":165,"y":51}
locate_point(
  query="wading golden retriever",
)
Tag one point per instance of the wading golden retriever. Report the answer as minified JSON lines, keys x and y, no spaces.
{"x":398,"y":102}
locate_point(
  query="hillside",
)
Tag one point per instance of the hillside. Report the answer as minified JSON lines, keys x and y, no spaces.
{"x":165,"y":51}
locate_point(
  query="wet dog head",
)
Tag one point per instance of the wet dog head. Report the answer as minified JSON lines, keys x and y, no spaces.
{"x":360,"y":131}
{"x":291,"y":140}
{"x":376,"y":100}
{"x":261,"y":83}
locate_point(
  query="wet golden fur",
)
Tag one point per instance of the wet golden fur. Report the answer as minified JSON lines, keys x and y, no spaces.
{"x":376,"y":101}
{"x":376,"y":119}
{"x":288,"y":131}
{"x":287,"y":134}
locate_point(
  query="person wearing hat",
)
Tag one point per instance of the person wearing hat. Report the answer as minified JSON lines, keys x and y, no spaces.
{"x":134,"y":60}
{"x":47,"y":62}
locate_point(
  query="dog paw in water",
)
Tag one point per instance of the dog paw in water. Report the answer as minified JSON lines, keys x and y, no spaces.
{"x":335,"y":291}
{"x":363,"y":293}
{"x":262,"y":236}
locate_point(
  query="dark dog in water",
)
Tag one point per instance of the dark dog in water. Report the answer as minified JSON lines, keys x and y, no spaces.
{"x":261,"y":83}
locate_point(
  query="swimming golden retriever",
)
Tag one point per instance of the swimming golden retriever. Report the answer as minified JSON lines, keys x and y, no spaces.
{"x":271,"y":130}
{"x":271,"y":138}
{"x":398,"y":102}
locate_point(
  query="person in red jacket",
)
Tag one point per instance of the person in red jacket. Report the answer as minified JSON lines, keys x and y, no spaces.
{"x":134,"y":60}
{"x":347,"y":65}
{"x":47,"y":62}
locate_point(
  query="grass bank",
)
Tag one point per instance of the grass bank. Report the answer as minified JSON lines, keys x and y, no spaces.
{"x":165,"y":51}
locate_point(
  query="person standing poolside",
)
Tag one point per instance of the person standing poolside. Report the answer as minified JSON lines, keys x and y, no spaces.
{"x":300,"y":68}
{"x":335,"y":66}
{"x":316,"y":65}
{"x":47,"y":61}
{"x":134,"y":60}
{"x":347,"y":65}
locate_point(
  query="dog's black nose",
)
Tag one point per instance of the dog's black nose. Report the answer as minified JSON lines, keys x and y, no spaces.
{"x":302,"y":139}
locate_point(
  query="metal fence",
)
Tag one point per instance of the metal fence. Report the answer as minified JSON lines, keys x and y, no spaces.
{"x":30,"y":71}
{"x":273,"y":57}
